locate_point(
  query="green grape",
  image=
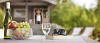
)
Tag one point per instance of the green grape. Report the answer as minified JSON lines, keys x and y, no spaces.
{"x":24,"y":25}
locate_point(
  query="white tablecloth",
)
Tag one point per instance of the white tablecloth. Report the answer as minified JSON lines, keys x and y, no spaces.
{"x":57,"y":39}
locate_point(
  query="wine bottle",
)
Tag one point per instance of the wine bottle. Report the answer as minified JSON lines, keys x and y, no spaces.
{"x":7,"y":19}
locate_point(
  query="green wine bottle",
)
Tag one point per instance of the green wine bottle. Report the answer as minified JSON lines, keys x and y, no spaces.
{"x":7,"y":19}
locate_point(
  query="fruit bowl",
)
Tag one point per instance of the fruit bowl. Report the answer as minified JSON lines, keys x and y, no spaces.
{"x":20,"y":30}
{"x":21,"y":33}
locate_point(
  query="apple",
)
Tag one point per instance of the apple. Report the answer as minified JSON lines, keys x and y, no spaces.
{"x":12,"y":25}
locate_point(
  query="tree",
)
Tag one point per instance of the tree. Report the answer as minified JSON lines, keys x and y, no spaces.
{"x":97,"y":14}
{"x":69,"y":15}
{"x":66,"y":15}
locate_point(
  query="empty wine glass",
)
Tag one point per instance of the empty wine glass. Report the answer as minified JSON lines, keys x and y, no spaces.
{"x":46,"y":28}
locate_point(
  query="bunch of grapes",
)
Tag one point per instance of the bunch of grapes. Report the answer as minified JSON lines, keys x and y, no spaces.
{"x":23,"y":25}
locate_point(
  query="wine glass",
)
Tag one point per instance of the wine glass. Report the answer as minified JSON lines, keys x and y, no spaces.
{"x":46,"y":28}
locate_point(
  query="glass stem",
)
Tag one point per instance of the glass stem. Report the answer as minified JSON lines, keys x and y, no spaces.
{"x":46,"y":35}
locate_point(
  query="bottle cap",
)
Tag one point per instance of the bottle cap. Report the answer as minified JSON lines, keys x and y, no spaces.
{"x":8,"y":5}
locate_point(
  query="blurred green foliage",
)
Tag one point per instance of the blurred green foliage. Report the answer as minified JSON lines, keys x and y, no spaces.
{"x":1,"y":17}
{"x":97,"y":30}
{"x":97,"y":14}
{"x":69,"y":15}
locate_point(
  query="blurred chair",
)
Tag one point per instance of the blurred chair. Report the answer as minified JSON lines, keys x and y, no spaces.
{"x":76,"y":30}
{"x":88,"y":31}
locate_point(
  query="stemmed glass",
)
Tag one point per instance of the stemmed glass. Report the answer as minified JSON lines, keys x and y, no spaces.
{"x":46,"y":28}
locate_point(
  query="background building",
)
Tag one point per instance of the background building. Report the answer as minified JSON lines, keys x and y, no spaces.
{"x":24,"y":10}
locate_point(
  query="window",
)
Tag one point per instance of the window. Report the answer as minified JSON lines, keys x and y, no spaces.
{"x":19,"y":13}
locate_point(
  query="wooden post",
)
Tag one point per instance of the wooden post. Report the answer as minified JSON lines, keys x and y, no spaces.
{"x":26,"y":12}
{"x":49,"y":13}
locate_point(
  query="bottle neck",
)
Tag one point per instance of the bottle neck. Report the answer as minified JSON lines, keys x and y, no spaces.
{"x":7,"y":9}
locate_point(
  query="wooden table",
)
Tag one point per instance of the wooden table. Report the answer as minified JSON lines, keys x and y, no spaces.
{"x":57,"y":39}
